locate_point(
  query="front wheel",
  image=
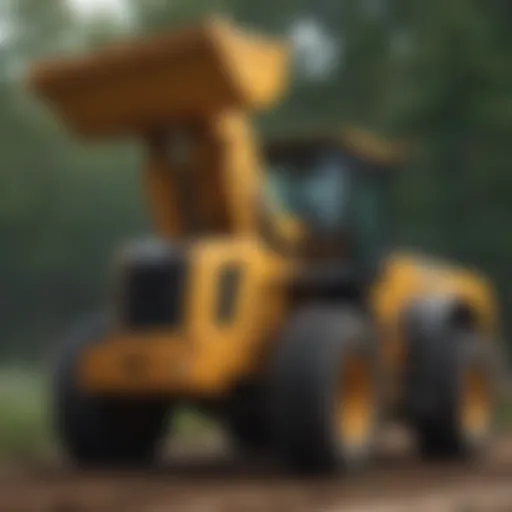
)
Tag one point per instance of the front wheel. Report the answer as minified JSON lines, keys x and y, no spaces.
{"x":247,"y":421}
{"x":99,"y":431}
{"x":324,"y":388}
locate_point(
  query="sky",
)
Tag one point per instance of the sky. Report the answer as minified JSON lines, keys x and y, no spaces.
{"x":84,"y":9}
{"x":316,"y":51}
{"x":92,"y":8}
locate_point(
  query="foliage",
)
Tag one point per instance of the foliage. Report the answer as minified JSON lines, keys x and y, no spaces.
{"x":24,"y":425}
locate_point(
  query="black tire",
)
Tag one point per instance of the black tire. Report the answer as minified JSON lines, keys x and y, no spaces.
{"x":307,"y":376}
{"x":451,"y":415}
{"x":247,"y":420}
{"x":96,"y":430}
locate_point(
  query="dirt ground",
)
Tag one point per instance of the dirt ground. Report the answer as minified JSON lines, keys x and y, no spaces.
{"x":200,"y":479}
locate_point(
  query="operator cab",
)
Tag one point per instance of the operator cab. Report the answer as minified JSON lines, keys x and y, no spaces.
{"x":338,"y":190}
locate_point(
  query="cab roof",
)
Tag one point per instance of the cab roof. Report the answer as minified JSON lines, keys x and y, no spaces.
{"x":362,"y":144}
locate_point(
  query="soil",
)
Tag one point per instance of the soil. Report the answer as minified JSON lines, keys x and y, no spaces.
{"x":206,"y":478}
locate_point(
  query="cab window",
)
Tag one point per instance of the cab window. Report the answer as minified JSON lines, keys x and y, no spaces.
{"x":335,"y":196}
{"x":316,"y":190}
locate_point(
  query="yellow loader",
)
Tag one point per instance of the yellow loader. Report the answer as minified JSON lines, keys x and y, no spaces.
{"x":269,"y":295}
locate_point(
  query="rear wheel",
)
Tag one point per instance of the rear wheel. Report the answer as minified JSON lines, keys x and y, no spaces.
{"x":99,"y":431}
{"x":325,"y":390}
{"x":451,"y":391}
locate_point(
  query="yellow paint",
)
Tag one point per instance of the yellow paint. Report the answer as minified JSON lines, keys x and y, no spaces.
{"x":239,"y":169}
{"x":356,"y":405}
{"x":161,"y":190}
{"x":373,"y":148}
{"x":203,"y":356}
{"x":475,"y":401}
{"x":129,"y":363}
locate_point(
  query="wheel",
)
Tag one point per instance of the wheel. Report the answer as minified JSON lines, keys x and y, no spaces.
{"x":100,"y":431}
{"x":246,"y":420}
{"x":324,"y":390}
{"x":451,"y":388}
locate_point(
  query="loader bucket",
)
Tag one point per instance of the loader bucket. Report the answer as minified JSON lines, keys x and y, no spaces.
{"x":140,"y":86}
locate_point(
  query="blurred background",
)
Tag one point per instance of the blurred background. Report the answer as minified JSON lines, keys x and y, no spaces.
{"x":438,"y":73}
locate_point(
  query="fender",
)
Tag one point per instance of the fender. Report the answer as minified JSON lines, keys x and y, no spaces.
{"x":409,"y":282}
{"x":433,"y":314}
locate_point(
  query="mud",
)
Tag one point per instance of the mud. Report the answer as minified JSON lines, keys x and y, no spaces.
{"x":198,"y":479}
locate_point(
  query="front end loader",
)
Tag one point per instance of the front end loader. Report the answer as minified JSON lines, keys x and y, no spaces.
{"x":269,"y":294}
